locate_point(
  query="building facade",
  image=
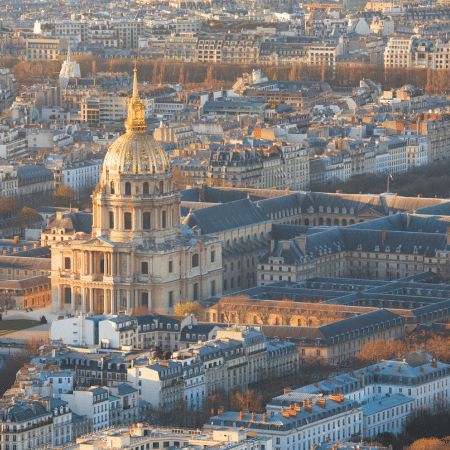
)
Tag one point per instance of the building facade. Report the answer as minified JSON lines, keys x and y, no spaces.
{"x":138,"y":254}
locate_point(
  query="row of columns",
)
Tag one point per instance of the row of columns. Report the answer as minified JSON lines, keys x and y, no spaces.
{"x":156,"y":221}
{"x":91,"y":296}
{"x":88,"y":262}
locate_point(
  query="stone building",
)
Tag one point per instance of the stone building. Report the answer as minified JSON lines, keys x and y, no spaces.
{"x":139,"y":253}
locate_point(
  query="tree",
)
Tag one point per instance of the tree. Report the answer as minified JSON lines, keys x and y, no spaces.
{"x":287,"y":309}
{"x":375,"y":351}
{"x":247,"y":400}
{"x":167,"y":355}
{"x":65,"y":197}
{"x":32,"y":346}
{"x":26,"y":218}
{"x":7,"y":207}
{"x":429,"y":444}
{"x":158,"y":353}
{"x":189,"y":308}
{"x":43,"y":320}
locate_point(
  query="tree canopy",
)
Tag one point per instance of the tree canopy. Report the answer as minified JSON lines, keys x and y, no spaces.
{"x":65,"y":196}
{"x":26,"y":218}
{"x":193,"y":308}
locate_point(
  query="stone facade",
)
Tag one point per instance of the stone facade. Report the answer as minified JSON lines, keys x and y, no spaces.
{"x":138,"y":255}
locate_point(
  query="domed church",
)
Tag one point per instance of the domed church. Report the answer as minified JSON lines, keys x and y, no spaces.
{"x":139,"y":253}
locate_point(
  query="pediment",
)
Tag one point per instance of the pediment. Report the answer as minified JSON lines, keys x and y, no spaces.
{"x":369,"y":212}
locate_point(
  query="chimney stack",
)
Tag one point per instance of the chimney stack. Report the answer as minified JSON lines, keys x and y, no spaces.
{"x":383,"y":235}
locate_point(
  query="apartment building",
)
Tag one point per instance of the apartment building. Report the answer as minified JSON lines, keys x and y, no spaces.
{"x":179,"y":135}
{"x":209,"y":48}
{"x":411,"y":51}
{"x":93,"y":403}
{"x":390,"y":415}
{"x":160,"y":383}
{"x":323,"y":54}
{"x":300,"y":426}
{"x":82,"y":175}
{"x":181,"y":48}
{"x":300,"y":94}
{"x":241,"y":48}
{"x":13,"y":144}
{"x":9,"y":186}
{"x":27,"y":423}
{"x":113,"y":33}
{"x":41,"y":48}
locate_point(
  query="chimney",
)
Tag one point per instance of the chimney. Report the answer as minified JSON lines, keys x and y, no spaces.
{"x":383,"y":235}
{"x":241,"y":415}
{"x":220,"y":411}
{"x":300,"y":241}
{"x":286,"y":244}
{"x":407,"y":221}
{"x":448,"y":235}
{"x":5,"y":252}
{"x":399,"y":369}
{"x":265,"y":417}
{"x":35,"y":245}
{"x":16,"y":239}
{"x":253,"y":416}
{"x":25,"y":248}
{"x":15,"y":250}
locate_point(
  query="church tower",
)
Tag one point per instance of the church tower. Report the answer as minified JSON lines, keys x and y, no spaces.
{"x":70,"y":69}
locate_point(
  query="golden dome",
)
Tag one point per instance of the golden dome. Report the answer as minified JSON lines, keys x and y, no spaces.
{"x":136,"y":152}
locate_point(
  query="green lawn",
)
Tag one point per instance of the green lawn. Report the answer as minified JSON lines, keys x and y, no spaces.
{"x":17,"y":324}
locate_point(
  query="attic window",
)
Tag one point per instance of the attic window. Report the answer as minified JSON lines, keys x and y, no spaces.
{"x":398,"y":249}
{"x":387,"y":249}
{"x":377,"y":248}
{"x":359,"y":247}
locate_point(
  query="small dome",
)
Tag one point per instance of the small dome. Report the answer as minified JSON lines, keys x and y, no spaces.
{"x":136,"y":152}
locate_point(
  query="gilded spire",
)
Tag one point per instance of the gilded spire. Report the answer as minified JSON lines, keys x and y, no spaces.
{"x":135,"y":84}
{"x":135,"y":122}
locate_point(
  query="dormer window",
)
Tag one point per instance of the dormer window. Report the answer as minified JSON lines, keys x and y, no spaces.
{"x":188,"y":336}
{"x":359,"y":247}
{"x":377,"y":248}
{"x":387,"y":249}
{"x":168,"y":326}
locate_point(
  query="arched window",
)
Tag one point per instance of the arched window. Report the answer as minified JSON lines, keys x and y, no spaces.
{"x":145,"y":189}
{"x":127,"y":188}
{"x":195,"y":260}
{"x":113,"y":191}
{"x":307,"y":222}
{"x":161,"y":187}
{"x":195,"y":296}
